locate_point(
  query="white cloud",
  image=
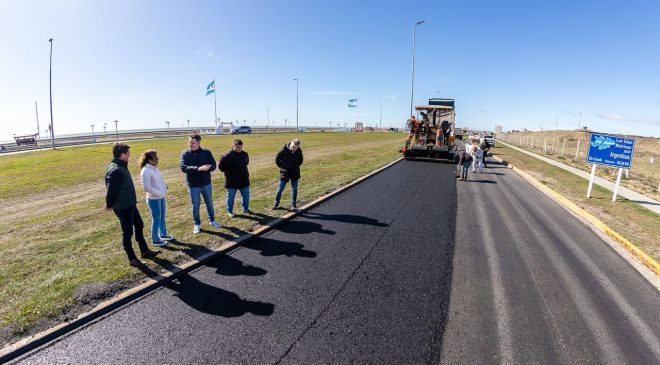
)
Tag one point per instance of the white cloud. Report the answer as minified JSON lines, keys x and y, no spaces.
{"x":611,"y":116}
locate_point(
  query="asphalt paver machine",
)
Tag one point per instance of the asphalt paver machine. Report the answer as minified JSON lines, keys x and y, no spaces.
{"x":433,"y":135}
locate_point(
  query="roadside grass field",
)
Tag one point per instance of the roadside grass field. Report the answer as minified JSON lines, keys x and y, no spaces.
{"x":636,"y":223}
{"x":644,"y":176}
{"x":61,"y":253}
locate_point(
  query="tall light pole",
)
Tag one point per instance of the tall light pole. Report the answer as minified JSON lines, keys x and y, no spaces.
{"x":104,"y":130}
{"x":296,"y":105}
{"x":380,"y":121}
{"x":50,"y":86}
{"x":116,"y":131}
{"x":168,"y":125}
{"x":412,"y":83}
{"x":93,"y":136}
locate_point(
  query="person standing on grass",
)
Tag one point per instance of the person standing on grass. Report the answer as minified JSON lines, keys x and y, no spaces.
{"x":120,"y":197}
{"x":154,"y":185}
{"x":289,"y":159}
{"x":198,"y":163}
{"x":234,"y":164}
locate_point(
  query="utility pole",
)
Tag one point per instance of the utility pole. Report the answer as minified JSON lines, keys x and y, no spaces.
{"x":380,"y":121}
{"x":50,"y":83}
{"x":116,"y":131}
{"x":93,"y":136}
{"x":36,"y":110}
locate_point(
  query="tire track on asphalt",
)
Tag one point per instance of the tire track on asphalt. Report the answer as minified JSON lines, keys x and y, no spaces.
{"x":643,"y":330}
{"x":499,"y":295}
{"x":582,"y":302}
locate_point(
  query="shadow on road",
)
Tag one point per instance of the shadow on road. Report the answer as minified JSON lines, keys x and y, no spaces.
{"x":230,"y":266}
{"x":212,"y":300}
{"x":482,"y":181}
{"x":303,"y":227}
{"x":345,"y":218}
{"x":271,"y":247}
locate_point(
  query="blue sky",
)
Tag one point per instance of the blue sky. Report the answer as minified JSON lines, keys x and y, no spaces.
{"x":521,"y":64}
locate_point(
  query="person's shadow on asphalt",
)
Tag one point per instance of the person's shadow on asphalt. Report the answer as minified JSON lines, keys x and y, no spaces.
{"x":230,"y":266}
{"x":303,"y":227}
{"x":212,"y":300}
{"x":345,"y":218}
{"x":271,"y":247}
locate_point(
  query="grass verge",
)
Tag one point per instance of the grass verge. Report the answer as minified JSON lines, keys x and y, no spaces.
{"x":638,"y":224}
{"x":60,"y":253}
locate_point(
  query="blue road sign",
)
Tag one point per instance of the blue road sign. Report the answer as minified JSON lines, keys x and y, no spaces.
{"x":611,"y":150}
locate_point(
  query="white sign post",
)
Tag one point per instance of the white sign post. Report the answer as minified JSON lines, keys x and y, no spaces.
{"x":577,"y":149}
{"x":616,"y":186}
{"x":591,"y":180}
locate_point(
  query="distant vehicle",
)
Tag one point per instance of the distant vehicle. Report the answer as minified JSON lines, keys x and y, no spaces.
{"x":241,"y":130}
{"x":490,"y":138}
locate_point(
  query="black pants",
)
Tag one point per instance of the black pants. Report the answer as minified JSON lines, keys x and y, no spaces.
{"x":129,"y":218}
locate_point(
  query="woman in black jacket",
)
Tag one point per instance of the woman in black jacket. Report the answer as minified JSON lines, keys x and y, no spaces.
{"x":289,"y":159}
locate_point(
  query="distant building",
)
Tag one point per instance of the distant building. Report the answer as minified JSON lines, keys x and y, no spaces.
{"x":498,"y":129}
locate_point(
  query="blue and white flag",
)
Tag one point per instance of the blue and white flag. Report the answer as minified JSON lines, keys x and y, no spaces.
{"x":352,"y":103}
{"x":211,"y":88}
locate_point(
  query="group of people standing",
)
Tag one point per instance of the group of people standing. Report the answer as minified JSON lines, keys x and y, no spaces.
{"x":472,"y":154}
{"x":197,"y":163}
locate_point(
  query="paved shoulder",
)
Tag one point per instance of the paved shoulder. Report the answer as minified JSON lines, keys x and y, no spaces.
{"x":362,"y":278}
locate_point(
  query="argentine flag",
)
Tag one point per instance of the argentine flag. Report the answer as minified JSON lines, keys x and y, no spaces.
{"x":211,"y":88}
{"x":352,"y":103}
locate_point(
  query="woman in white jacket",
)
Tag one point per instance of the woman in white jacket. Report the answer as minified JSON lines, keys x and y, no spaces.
{"x":154,"y":186}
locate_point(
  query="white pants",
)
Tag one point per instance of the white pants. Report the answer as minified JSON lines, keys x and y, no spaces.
{"x":478,"y":161}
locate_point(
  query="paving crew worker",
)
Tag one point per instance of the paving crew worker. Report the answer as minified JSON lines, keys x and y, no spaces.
{"x":234,"y":163}
{"x":485,"y":147}
{"x":464,"y":159}
{"x":289,"y":159}
{"x":413,"y":124}
{"x":120,"y":197}
{"x":198,"y":163}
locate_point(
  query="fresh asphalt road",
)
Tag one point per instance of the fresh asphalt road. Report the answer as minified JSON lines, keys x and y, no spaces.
{"x":409,"y":266}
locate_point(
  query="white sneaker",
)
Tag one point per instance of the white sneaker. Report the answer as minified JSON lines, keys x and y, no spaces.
{"x":167,"y":238}
{"x":215,"y":224}
{"x":230,"y":215}
{"x":197,"y":229}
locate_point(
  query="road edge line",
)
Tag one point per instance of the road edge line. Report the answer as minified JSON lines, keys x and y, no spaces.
{"x":107,"y":307}
{"x":630,"y":247}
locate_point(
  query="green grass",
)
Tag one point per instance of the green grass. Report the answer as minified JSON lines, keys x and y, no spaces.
{"x":61,"y":241}
{"x":638,"y":224}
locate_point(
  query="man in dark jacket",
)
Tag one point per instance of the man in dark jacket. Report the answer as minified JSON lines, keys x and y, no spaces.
{"x":197,"y":163}
{"x":463,"y":159}
{"x":289,"y":159}
{"x":237,"y":177}
{"x":120,"y":197}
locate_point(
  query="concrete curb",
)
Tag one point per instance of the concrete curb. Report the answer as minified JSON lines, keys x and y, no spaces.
{"x":642,"y":256}
{"x":28,"y":344}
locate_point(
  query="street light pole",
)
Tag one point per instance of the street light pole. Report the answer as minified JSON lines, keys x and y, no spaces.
{"x":93,"y":136}
{"x":50,"y":86}
{"x":116,"y":131}
{"x":380,"y":121}
{"x":296,"y":105}
{"x":412,"y":83}
{"x":104,"y":130}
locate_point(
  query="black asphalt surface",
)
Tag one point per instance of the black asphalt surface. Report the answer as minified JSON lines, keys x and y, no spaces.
{"x":533,"y":285}
{"x":362,"y":278}
{"x":408,"y":267}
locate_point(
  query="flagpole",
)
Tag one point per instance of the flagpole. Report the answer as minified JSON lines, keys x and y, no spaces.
{"x":215,"y":104}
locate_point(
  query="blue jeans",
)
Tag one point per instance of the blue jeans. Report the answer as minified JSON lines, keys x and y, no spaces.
{"x":294,"y":191}
{"x":464,"y":168}
{"x":231,"y":195}
{"x":207,"y":193}
{"x":157,"y":208}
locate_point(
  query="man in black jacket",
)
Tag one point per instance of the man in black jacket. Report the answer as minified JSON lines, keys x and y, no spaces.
{"x":197,"y":163}
{"x":289,"y":159}
{"x":120,"y":197}
{"x":237,"y":177}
